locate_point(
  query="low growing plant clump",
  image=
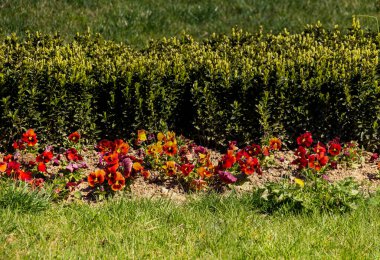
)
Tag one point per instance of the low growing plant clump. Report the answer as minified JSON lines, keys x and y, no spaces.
{"x":166,"y":157}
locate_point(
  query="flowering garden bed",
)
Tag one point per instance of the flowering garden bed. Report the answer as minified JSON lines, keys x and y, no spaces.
{"x":165,"y":165}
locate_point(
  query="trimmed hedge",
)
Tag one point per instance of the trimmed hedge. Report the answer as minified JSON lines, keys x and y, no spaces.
{"x":239,"y":86}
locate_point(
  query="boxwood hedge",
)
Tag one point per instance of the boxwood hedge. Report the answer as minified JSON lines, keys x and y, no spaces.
{"x":238,"y":86}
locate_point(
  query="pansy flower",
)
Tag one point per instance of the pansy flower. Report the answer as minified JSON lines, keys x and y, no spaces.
{"x":228,"y":159}
{"x":198,"y":184}
{"x":317,"y":161}
{"x":170,"y":148}
{"x":12,"y":168}
{"x":170,"y":168}
{"x":249,"y":165}
{"x":45,"y":157}
{"x":305,"y":139}
{"x":72,"y":155}
{"x":121,"y":147}
{"x":227,"y":177}
{"x":274,"y":144}
{"x":29,"y":137}
{"x":334,"y":149}
{"x":97,"y":177}
{"x":74,"y":137}
{"x":187,"y":168}
{"x":319,"y":148}
{"x":117,"y":181}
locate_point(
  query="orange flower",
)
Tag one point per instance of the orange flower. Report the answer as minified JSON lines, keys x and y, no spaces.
{"x":137,"y":167}
{"x":29,"y":137}
{"x":170,"y":148}
{"x":74,"y":137}
{"x":170,"y":168}
{"x":121,"y":147}
{"x":198,"y":184}
{"x":145,"y":174}
{"x":3,"y":166}
{"x":117,"y":181}
{"x":96,"y":177}
{"x":204,"y":172}
{"x":111,"y":158}
{"x":275,"y":144}
{"x":112,"y":167}
{"x":141,"y":136}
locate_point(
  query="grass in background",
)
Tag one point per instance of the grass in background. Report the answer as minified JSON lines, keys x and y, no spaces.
{"x":208,"y":228}
{"x":137,"y":21}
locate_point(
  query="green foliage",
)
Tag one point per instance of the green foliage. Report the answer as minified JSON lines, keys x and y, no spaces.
{"x":18,"y":196}
{"x":239,"y":86}
{"x":316,"y":196}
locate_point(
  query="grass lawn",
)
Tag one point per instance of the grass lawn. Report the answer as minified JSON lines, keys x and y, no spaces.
{"x":206,"y":228}
{"x":137,"y":21}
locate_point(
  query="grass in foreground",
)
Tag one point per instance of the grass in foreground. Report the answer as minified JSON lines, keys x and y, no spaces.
{"x":210,"y":227}
{"x":137,"y":21}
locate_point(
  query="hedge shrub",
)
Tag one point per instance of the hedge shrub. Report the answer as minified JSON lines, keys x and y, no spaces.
{"x":239,"y":86}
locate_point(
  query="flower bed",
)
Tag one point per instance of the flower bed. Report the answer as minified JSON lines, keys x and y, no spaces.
{"x":168,"y":165}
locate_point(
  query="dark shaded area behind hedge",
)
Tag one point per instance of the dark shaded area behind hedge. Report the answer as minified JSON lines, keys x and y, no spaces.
{"x":228,"y":87}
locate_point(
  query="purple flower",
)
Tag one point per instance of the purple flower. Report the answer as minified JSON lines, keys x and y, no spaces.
{"x":72,"y":167}
{"x":200,"y":149}
{"x":56,"y":161}
{"x":83,"y":165}
{"x":325,"y":177}
{"x":374,"y":157}
{"x":127,"y":165}
{"x":227,"y":177}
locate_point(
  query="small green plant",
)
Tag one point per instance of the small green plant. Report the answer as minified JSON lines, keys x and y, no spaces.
{"x":19,"y":196}
{"x":319,"y":195}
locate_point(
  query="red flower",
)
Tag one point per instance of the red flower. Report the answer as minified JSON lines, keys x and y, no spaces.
{"x":274,"y":144}
{"x":335,"y":149}
{"x":29,"y":137}
{"x":74,"y":137}
{"x":72,"y":155}
{"x":301,"y":162}
{"x":249,"y":166}
{"x":24,"y":176}
{"x":228,"y":159}
{"x":301,"y":151}
{"x":105,"y":146}
{"x":117,"y":181}
{"x":19,"y":144}
{"x":317,"y":161}
{"x":319,"y":148}
{"x":305,"y":139}
{"x":45,"y":157}
{"x":41,"y":167}
{"x":253,"y":150}
{"x":8,"y":158}
{"x":187,"y":168}
{"x":266,"y":151}
{"x":241,"y":156}
{"x":97,"y":177}
{"x":12,"y":168}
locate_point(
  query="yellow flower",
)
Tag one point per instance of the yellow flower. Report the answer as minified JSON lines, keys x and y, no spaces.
{"x":299,"y":182}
